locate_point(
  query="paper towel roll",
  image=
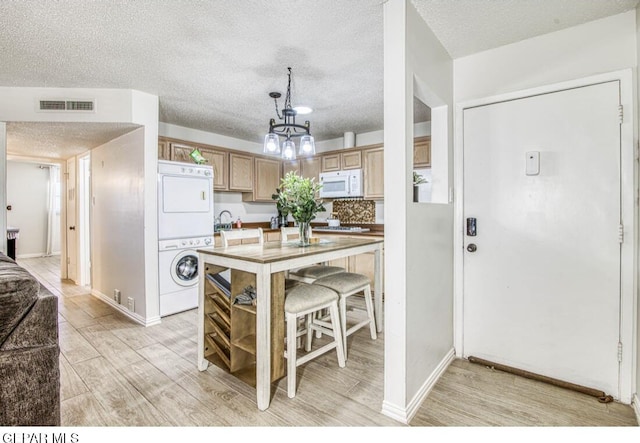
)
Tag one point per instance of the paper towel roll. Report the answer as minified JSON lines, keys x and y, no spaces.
{"x":349,"y":139}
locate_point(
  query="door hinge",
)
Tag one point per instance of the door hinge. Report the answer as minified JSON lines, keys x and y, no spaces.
{"x":621,"y":114}
{"x":620,"y":233}
{"x":619,"y":352}
{"x":68,"y":261}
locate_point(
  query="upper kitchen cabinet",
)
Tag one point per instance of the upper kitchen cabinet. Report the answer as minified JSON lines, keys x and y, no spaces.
{"x":241,"y":172}
{"x":330,"y":162}
{"x":219,"y":160}
{"x":290,"y":165}
{"x":164,"y":150}
{"x":311,"y":167}
{"x":180,"y":153}
{"x":422,"y":152}
{"x":351,"y":160}
{"x":342,"y":160}
{"x":266,"y":180}
{"x":373,"y":173}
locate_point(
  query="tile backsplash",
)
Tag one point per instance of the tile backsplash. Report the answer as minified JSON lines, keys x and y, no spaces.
{"x":355,"y":211}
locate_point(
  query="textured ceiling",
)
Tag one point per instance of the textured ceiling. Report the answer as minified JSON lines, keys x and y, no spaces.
{"x":465,"y":27}
{"x":58,"y":141}
{"x":213,"y":63}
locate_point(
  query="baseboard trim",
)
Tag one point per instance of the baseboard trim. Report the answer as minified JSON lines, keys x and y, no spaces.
{"x":635,"y":402}
{"x":404,"y":415}
{"x":36,"y":255}
{"x":132,"y":315}
{"x":32,"y":255}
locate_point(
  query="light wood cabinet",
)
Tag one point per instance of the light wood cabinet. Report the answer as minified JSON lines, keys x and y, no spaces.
{"x":266,"y":180}
{"x":230,"y":329}
{"x":422,"y":152}
{"x":240,"y":172}
{"x":311,"y":168}
{"x":330,"y":162}
{"x":290,"y":165}
{"x":180,"y":153}
{"x":351,"y":160}
{"x":373,"y":173}
{"x":164,"y":150}
{"x":339,"y":161}
{"x":219,"y":161}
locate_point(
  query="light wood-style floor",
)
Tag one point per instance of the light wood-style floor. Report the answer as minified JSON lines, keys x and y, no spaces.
{"x":115,"y":372}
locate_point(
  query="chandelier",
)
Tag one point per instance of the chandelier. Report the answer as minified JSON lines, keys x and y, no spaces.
{"x":288,"y":130}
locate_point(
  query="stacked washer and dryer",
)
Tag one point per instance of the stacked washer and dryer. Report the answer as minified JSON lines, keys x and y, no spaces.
{"x":185,"y":223}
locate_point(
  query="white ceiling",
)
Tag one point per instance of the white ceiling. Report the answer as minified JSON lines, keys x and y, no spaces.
{"x":213,"y":63}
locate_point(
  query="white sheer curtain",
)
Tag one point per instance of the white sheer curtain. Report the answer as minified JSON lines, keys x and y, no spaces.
{"x":53,"y":211}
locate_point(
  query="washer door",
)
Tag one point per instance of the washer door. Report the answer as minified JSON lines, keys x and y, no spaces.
{"x":184,"y":268}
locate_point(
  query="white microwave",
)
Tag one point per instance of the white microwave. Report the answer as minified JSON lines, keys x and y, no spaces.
{"x":341,"y":184}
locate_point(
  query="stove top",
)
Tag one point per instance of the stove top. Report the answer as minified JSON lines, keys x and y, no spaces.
{"x":340,"y":229}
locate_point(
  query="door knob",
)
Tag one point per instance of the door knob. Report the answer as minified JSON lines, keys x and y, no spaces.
{"x":472,"y":247}
{"x":72,"y":228}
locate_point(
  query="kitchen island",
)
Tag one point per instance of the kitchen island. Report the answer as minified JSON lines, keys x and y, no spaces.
{"x":263,"y":267}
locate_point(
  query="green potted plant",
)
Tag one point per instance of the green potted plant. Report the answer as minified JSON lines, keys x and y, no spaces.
{"x":283,"y":212}
{"x":297,"y":196}
{"x":417,"y":180}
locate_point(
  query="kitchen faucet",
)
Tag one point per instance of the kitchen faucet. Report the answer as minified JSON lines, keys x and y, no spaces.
{"x":217,"y":223}
{"x":222,"y":212}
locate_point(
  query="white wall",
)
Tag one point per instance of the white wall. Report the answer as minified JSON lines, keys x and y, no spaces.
{"x":418,"y":237}
{"x":604,"y":45}
{"x":112,"y":105}
{"x":117,"y":215}
{"x":27,"y":193}
{"x":601,"y":46}
{"x":208,"y":138}
{"x":21,"y":104}
{"x":144,"y":111}
{"x":3,"y":189}
{"x":637,"y":350}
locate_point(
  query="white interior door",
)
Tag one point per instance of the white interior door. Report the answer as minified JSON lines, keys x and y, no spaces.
{"x":542,"y":290}
{"x":72,"y":236}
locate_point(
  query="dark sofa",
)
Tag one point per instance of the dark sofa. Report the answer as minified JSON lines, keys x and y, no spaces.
{"x":29,"y":350}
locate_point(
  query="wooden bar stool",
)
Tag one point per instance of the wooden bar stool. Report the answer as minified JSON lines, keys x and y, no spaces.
{"x":305,"y":300}
{"x":347,"y":284}
{"x":307,"y":274}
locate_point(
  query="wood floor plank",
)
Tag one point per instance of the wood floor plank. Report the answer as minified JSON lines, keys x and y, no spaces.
{"x":83,"y":410}
{"x":73,"y":345}
{"x":124,"y":405}
{"x":110,"y":346}
{"x":115,"y":372}
{"x":178,"y":406}
{"x":92,"y":305}
{"x":71,"y":384}
{"x":74,"y":314}
{"x":134,"y":335}
{"x":236,"y":409}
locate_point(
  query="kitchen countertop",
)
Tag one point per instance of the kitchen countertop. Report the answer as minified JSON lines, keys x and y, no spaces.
{"x":375,"y":230}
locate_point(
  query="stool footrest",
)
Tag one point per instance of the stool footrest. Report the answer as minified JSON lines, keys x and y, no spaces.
{"x":313,"y":354}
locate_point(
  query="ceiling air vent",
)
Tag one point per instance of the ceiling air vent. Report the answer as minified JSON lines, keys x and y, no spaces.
{"x":67,"y":105}
{"x":53,"y":105}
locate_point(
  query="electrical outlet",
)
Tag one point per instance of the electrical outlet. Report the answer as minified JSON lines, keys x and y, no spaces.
{"x":131,"y":304}
{"x":116,"y":295}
